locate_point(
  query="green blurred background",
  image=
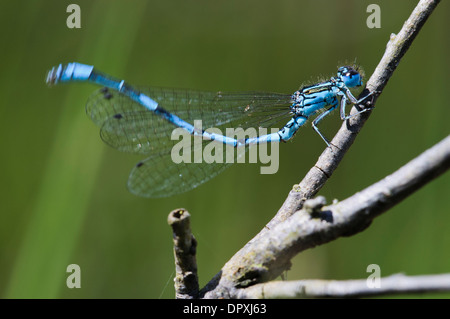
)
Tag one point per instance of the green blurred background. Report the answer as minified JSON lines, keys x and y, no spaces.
{"x":63,"y":191}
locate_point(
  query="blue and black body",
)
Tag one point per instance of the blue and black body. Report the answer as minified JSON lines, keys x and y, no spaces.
{"x":142,"y":120}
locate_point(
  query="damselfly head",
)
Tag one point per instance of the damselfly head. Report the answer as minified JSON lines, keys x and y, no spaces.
{"x":350,"y":75}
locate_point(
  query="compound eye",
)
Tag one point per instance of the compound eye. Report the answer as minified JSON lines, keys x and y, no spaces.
{"x":350,"y":76}
{"x":352,"y":79}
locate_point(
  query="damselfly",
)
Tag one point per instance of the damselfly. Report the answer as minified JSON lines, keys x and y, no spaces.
{"x":142,"y":121}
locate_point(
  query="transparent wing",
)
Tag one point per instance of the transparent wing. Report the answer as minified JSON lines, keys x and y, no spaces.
{"x":159,"y":176}
{"x":128,"y":127}
{"x":140,"y":132}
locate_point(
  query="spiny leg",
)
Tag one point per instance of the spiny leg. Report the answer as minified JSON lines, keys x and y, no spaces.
{"x":320,"y":118}
{"x":354,"y":101}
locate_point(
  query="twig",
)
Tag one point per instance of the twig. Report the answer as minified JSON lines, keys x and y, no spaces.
{"x":395,"y":284}
{"x":186,"y":279}
{"x":268,"y":254}
{"x":250,"y":271}
{"x":330,"y":159}
{"x":265,"y":259}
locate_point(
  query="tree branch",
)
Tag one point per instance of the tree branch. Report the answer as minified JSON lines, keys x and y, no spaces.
{"x":291,"y":231}
{"x":329,"y":160}
{"x":185,"y":246}
{"x":394,"y":284}
{"x":253,"y":265}
{"x":265,"y":259}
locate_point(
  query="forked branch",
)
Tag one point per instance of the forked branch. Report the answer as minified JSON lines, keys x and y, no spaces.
{"x":315,"y":224}
{"x":294,"y":229}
